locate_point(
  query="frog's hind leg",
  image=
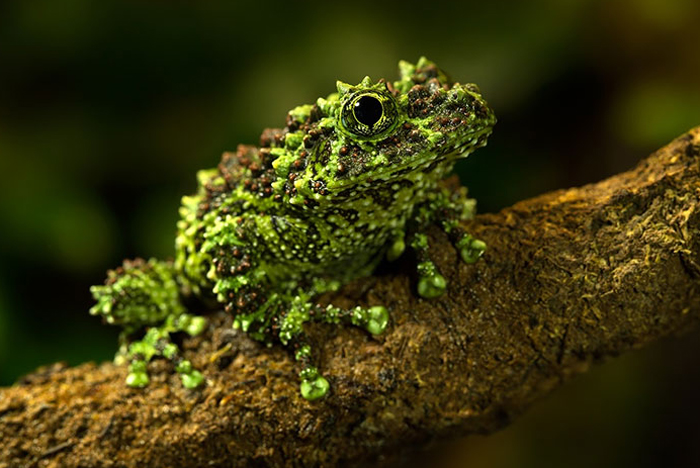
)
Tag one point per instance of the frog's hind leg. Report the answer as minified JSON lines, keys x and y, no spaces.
{"x":157,"y":342}
{"x":145,"y":294}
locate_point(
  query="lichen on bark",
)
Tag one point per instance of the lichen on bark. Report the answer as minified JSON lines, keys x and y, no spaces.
{"x":570,"y":277}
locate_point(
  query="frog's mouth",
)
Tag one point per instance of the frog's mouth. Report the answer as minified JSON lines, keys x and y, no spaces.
{"x":442,"y":157}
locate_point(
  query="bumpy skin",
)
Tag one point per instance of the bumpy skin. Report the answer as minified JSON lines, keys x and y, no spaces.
{"x":350,"y":179}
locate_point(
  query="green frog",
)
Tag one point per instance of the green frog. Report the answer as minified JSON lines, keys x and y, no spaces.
{"x":351,"y":179}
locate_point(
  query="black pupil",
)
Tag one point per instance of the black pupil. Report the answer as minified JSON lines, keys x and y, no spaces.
{"x":368,"y":110}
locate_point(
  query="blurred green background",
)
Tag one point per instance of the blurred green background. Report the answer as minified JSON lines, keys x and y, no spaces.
{"x":107,"y":109}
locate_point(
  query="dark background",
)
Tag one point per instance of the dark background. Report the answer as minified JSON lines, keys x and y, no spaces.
{"x":107,"y":109}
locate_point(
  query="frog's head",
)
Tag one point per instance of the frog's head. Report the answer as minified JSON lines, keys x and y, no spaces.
{"x":375,"y":133}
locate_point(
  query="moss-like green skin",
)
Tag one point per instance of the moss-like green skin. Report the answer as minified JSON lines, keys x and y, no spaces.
{"x":348,"y":180}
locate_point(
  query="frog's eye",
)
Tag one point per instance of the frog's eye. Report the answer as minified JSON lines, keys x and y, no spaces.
{"x":368,"y":110}
{"x":369,"y":114}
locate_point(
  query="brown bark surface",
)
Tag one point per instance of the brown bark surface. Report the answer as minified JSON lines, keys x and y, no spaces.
{"x":569,"y":278}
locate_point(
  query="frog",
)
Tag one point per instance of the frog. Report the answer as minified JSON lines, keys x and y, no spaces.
{"x":351,"y":180}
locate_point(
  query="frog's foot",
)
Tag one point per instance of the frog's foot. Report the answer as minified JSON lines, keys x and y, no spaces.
{"x":470,"y":249}
{"x":373,"y":319}
{"x":431,"y":283}
{"x":156,"y":343}
{"x":138,"y":373}
{"x":313,"y":385}
{"x":455,"y":208}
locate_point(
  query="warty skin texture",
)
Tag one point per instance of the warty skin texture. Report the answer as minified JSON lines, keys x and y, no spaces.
{"x":349,"y":180}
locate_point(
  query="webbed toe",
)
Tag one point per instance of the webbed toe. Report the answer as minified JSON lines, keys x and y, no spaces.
{"x":432,"y":286}
{"x":313,"y":385}
{"x":471,"y":249}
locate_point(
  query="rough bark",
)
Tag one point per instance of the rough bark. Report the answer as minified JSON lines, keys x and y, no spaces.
{"x":569,"y":278}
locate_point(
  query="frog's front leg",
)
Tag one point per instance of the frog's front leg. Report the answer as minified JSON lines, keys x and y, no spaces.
{"x":448,"y":209}
{"x":430,"y":282}
{"x":291,"y":333}
{"x":282,"y":315}
{"x":457,"y":207}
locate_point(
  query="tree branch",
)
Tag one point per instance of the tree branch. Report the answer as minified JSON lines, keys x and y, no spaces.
{"x":569,"y":278}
